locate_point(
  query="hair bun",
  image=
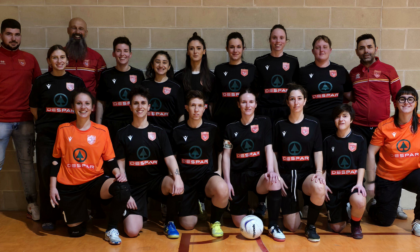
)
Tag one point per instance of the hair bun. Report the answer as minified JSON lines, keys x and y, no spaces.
{"x":195,"y":34}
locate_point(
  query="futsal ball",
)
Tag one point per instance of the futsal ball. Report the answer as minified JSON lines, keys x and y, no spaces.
{"x":251,"y":227}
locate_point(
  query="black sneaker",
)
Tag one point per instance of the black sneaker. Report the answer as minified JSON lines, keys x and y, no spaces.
{"x":260,"y":211}
{"x":311,"y":234}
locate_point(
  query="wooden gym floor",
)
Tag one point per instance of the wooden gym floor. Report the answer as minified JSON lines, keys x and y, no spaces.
{"x":17,"y":233}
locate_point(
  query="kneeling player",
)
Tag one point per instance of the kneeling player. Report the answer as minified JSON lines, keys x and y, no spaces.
{"x":248,"y":164}
{"x":194,"y":142}
{"x":345,"y":162}
{"x":142,"y":149}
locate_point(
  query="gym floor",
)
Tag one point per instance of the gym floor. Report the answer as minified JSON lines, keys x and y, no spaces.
{"x":18,"y":233}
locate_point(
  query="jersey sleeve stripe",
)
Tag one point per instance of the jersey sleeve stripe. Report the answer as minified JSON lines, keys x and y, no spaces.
{"x":395,"y":80}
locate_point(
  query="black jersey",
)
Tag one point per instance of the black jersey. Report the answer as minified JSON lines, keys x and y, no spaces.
{"x":196,"y":85}
{"x":144,"y":151}
{"x":248,"y":144}
{"x":51,"y":95}
{"x":296,"y":144}
{"x":166,"y":103}
{"x":342,"y":159}
{"x":113,"y":89}
{"x":230,"y":81}
{"x":194,"y":148}
{"x":325,"y":88}
{"x":273,"y":74}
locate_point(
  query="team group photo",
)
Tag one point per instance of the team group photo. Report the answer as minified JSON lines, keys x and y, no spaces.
{"x":192,"y":151}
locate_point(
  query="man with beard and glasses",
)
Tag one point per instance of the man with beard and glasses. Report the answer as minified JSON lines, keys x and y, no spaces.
{"x":373,"y":84}
{"x":83,"y":61}
{"x":18,"y":70}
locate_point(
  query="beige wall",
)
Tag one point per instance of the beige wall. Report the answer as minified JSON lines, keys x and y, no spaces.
{"x":167,"y":24}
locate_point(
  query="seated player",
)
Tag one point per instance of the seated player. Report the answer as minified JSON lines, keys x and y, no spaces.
{"x":248,"y":164}
{"x":195,"y":141}
{"x":144,"y":152}
{"x":344,"y":162}
{"x":82,"y":149}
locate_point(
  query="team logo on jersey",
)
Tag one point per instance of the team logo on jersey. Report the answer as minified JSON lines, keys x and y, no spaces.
{"x":114,"y":80}
{"x":277,"y":81}
{"x":166,"y":90}
{"x":155,"y":104}
{"x":79,"y":155}
{"x":130,"y":137}
{"x":185,"y":138}
{"x":70,"y":138}
{"x":22,"y":62}
{"x":91,"y":139}
{"x":70,"y":86}
{"x":235,"y":85}
{"x":403,"y":145}
{"x":244,"y":72}
{"x":225,"y":73}
{"x":48,"y":86}
{"x":267,"y":66}
{"x":304,"y":131}
{"x":61,"y":100}
{"x":255,"y":128}
{"x":86,"y":63}
{"x":151,"y":135}
{"x":143,"y":153}
{"x":333,"y":148}
{"x":247,"y":145}
{"x":344,"y":162}
{"x":357,"y":76}
{"x":133,"y":78}
{"x":205,"y":135}
{"x":394,"y":134}
{"x":310,"y":75}
{"x":294,"y":148}
{"x":124,"y":93}
{"x":236,"y":134}
{"x":195,"y":152}
{"x":286,"y":66}
{"x":377,"y":73}
{"x":333,"y":73}
{"x":284,"y":133}
{"x":324,"y":87}
{"x":352,"y":147}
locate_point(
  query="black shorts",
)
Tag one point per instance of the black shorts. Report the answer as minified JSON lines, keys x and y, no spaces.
{"x":242,"y":182}
{"x":337,"y":204}
{"x":74,"y":199}
{"x":294,"y":181}
{"x":274,"y":113}
{"x":140,"y":193}
{"x":113,"y":127}
{"x":366,"y":132}
{"x":192,"y":191}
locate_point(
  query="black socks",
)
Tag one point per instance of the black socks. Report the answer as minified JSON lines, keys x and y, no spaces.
{"x":172,"y":203}
{"x":313,"y":212}
{"x":216,"y":213}
{"x":273,"y":206}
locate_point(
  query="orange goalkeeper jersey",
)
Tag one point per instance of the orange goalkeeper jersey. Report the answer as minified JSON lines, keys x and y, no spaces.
{"x":82,"y":153}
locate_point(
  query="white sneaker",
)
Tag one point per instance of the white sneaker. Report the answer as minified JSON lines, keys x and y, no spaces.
{"x":416,"y":227}
{"x":276,"y":233}
{"x":113,"y":237}
{"x":400,"y":214}
{"x":304,"y":212}
{"x":33,"y":212}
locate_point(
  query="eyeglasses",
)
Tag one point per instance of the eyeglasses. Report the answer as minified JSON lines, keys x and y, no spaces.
{"x":409,"y":99}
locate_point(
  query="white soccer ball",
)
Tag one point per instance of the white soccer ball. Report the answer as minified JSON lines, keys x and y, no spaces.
{"x":251,"y":227}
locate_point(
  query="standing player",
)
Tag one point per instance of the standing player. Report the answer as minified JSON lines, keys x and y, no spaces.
{"x":142,"y":150}
{"x":231,"y":78}
{"x":50,"y":105}
{"x":297,"y":144}
{"x":18,"y":70}
{"x":344,"y":163}
{"x":326,"y":83}
{"x":82,"y":150}
{"x":112,"y":106}
{"x":195,"y":141}
{"x":374,"y":83}
{"x":196,"y":75}
{"x":167,"y":104}
{"x":248,"y":164}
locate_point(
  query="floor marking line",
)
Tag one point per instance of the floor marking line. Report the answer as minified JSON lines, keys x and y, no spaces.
{"x":261,"y":245}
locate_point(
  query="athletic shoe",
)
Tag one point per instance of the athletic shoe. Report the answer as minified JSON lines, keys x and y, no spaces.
{"x":202,"y":207}
{"x":260,"y":211}
{"x":170,"y":231}
{"x":276,"y":233}
{"x":416,"y":227}
{"x":304,"y":212}
{"x":113,"y":237}
{"x":48,"y":226}
{"x":356,"y":232}
{"x":215,"y":229}
{"x":310,"y":232}
{"x":400,"y":214}
{"x":33,"y":212}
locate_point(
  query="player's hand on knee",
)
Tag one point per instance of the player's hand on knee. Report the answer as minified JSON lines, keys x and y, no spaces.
{"x":231,"y":191}
{"x":131,"y":204}
{"x":54,"y":196}
{"x":328,"y":190}
{"x":283,"y":186}
{"x":318,"y":178}
{"x":178,"y":187}
{"x":271,"y":177}
{"x":370,"y":189}
{"x":360,"y":190}
{"x":119,"y":176}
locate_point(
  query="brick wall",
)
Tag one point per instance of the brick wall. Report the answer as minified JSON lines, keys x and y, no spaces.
{"x":167,"y":24}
